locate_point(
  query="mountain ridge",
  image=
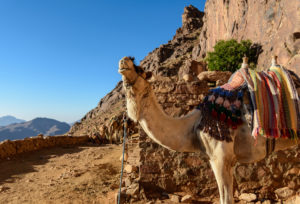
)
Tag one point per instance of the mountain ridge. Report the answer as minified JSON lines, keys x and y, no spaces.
{"x":40,"y":125}
{"x":9,"y":119}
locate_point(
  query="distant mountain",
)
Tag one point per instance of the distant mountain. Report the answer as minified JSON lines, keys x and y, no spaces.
{"x":46,"y":126}
{"x":8,"y":120}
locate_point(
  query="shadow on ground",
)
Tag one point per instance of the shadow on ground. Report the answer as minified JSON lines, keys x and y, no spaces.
{"x":25,"y":163}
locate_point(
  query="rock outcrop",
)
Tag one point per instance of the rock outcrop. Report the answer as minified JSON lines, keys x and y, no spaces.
{"x":275,"y":25}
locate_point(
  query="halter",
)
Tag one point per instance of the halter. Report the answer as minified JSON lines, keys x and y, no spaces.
{"x":128,"y":84}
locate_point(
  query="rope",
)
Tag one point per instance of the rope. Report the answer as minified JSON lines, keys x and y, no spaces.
{"x":124,"y":140}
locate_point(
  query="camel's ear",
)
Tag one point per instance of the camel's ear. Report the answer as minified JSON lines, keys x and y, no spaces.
{"x":148,"y":75}
{"x":139,"y":70}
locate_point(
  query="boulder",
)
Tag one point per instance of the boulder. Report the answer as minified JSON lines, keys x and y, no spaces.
{"x":187,"y":199}
{"x":293,"y":200}
{"x":130,"y":168}
{"x":188,"y":77}
{"x":284,"y":193}
{"x":249,"y":197}
{"x":174,"y":198}
{"x":133,"y":189}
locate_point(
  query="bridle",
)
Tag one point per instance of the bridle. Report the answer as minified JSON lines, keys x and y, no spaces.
{"x":130,"y":84}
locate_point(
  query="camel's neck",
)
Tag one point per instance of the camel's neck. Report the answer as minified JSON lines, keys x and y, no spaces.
{"x":173,"y":133}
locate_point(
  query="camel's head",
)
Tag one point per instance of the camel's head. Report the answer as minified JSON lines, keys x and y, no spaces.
{"x":136,"y":85}
{"x":131,"y":72}
{"x":127,"y":68}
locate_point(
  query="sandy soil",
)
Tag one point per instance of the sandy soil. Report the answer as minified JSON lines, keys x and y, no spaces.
{"x":83,"y":174}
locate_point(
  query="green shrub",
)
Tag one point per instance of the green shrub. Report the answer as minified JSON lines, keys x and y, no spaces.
{"x":228,"y":55}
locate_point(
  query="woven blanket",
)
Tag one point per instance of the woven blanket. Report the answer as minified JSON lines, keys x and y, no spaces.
{"x":274,"y":98}
{"x":275,"y":102}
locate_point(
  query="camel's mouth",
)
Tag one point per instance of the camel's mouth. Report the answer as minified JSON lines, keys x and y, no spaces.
{"x":123,"y":69}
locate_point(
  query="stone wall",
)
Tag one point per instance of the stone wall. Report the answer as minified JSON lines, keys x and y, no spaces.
{"x":162,"y":171}
{"x":11,"y":148}
{"x":165,"y":171}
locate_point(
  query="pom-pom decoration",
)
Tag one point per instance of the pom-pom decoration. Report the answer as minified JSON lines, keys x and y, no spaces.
{"x":219,"y":100}
{"x":225,"y":105}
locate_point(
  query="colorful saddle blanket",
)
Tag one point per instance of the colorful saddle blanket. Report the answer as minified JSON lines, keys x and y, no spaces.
{"x":274,"y":99}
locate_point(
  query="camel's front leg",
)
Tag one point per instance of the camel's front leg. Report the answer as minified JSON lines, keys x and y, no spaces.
{"x":223,"y":171}
{"x":222,"y":159}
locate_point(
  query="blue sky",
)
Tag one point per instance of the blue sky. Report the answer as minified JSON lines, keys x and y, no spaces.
{"x":58,"y":58}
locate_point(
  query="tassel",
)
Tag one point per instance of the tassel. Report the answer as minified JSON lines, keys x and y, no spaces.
{"x":214,"y":113}
{"x":239,"y":122}
{"x":228,"y":113}
{"x":234,"y":126}
{"x":226,"y":103}
{"x":238,"y":113}
{"x":222,"y":109}
{"x":211,"y":106}
{"x":205,"y":99}
{"x":237,"y":104}
{"x":211,"y":98}
{"x":229,"y":121}
{"x":222,"y":117}
{"x":219,"y":100}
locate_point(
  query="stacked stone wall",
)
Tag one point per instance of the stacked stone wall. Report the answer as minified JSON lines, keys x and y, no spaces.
{"x":12,"y":148}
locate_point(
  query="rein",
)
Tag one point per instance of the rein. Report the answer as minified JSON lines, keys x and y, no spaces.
{"x":124,"y":141}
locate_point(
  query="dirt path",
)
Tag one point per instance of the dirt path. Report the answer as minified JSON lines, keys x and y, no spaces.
{"x":84,"y":174}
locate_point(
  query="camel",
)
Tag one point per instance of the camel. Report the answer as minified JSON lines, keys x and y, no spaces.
{"x":181,"y":134}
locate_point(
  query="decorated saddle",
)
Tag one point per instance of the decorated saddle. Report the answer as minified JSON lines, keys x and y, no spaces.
{"x":274,"y":104}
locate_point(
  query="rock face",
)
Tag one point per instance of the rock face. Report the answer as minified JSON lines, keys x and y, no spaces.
{"x":180,"y":81}
{"x":275,"y":25}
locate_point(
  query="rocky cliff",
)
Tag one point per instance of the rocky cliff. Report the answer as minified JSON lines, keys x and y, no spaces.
{"x":275,"y":25}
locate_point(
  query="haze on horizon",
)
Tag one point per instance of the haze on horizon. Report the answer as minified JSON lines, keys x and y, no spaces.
{"x":59,"y":58}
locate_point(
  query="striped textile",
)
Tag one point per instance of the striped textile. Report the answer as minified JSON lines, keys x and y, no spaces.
{"x":275,"y":102}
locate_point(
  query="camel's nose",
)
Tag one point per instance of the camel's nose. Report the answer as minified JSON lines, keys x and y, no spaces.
{"x":122,"y":61}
